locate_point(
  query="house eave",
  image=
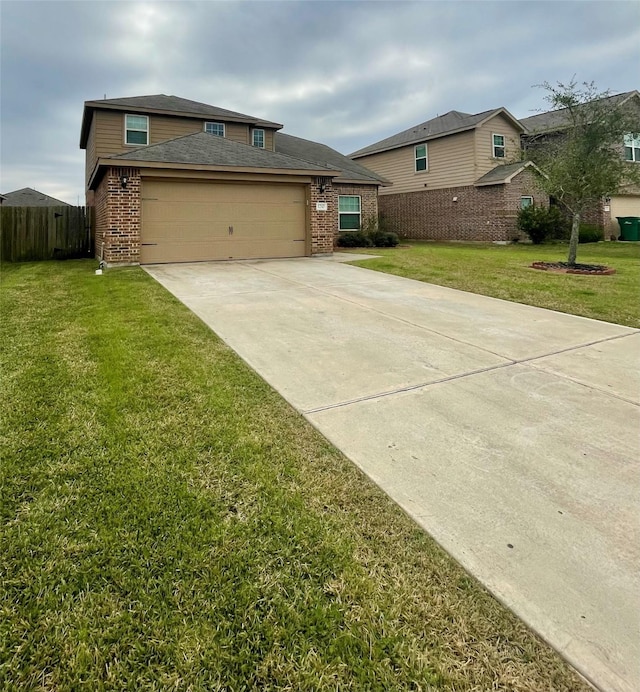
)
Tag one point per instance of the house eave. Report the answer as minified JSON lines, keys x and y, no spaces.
{"x":105,"y":163}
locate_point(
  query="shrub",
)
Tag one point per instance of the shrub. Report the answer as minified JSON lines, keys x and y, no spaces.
{"x":384,"y":239}
{"x":589,"y":233}
{"x":354,"y":239}
{"x":540,"y":223}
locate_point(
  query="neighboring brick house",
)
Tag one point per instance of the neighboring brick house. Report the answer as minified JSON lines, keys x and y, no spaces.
{"x":452,"y":178}
{"x":177,"y":180}
{"x":28,"y":197}
{"x":626,"y":202}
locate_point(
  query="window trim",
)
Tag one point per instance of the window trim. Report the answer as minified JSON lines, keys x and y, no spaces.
{"x":351,"y":213}
{"x":495,"y":146}
{"x":135,"y":129}
{"x":211,"y":122}
{"x":633,"y":143}
{"x":531,"y":201}
{"x":253,"y":138}
{"x":425,"y":158}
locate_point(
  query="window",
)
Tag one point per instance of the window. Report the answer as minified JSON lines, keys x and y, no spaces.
{"x":498,"y":146}
{"x":136,"y":129}
{"x":421,"y":158}
{"x":214,"y":129}
{"x":257,"y":138}
{"x":526,"y":201}
{"x":349,"y":212}
{"x":631,"y":148}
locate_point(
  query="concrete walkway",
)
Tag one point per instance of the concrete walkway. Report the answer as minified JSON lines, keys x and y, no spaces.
{"x":510,"y":433}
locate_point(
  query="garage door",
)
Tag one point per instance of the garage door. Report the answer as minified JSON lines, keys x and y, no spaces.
{"x":198,"y":221}
{"x":628,"y":205}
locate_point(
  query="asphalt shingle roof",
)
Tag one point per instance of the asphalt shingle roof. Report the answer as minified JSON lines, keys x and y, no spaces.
{"x":449,"y":123}
{"x":502,"y":174}
{"x":205,"y":149}
{"x":317,"y":153}
{"x":162,"y":102}
{"x":559,"y":119}
{"x":28,"y":197}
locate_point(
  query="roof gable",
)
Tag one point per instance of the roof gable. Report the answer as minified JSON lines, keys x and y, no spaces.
{"x":166,"y":105}
{"x":448,"y":124}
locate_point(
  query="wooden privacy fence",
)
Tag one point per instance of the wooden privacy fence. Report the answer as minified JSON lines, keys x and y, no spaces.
{"x":40,"y":233}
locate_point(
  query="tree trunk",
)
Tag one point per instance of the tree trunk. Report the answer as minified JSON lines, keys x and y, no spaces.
{"x":575,"y":234}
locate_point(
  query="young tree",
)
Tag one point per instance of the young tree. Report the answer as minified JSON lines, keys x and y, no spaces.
{"x":580,"y":150}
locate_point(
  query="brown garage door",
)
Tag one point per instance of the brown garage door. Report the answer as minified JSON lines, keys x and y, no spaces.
{"x":198,"y":221}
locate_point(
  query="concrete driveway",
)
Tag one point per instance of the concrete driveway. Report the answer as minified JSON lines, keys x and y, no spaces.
{"x":510,"y":433}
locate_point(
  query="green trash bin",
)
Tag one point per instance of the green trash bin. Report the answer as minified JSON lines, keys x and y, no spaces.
{"x":629,"y":227}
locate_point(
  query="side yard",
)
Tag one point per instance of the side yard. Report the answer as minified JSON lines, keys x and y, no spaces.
{"x":169,"y":522}
{"x":502,"y":271}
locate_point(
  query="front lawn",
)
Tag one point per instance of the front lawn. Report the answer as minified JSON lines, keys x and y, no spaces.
{"x":168,"y":522}
{"x":503,"y":271}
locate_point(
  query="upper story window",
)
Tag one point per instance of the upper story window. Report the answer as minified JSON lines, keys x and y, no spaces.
{"x":257,"y":138}
{"x":498,"y":146}
{"x":349,"y":212}
{"x":631,"y":148}
{"x":136,"y":129}
{"x":214,"y":129}
{"x":421,"y":158}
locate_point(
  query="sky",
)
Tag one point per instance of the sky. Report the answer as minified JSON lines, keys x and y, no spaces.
{"x":343,"y":72}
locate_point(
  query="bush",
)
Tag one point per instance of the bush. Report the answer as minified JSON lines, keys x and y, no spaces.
{"x":541,"y":223}
{"x":589,"y":233}
{"x":384,"y":238}
{"x":354,"y":239}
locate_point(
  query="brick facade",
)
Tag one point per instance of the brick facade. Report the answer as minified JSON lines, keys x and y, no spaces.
{"x":117,"y":227}
{"x":487,"y":213}
{"x":118,"y":222}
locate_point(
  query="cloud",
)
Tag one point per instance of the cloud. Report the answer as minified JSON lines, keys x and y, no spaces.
{"x":344,"y":73}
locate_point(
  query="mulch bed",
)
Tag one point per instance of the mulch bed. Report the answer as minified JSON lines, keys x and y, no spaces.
{"x":566,"y":268}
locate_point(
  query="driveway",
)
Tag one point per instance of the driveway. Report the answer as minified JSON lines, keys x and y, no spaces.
{"x":510,"y":433}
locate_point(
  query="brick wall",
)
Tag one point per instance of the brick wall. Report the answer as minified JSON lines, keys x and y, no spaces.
{"x":486,"y":213}
{"x":323,"y":223}
{"x":117,"y":235}
{"x":368,"y":201}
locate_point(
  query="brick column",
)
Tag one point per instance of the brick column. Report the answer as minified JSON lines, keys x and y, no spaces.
{"x":118,"y":217}
{"x":324,"y":224}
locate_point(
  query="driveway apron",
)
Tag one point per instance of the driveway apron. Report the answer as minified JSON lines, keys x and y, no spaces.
{"x":508,"y":432}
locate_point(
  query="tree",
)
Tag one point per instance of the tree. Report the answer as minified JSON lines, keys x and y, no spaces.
{"x":580,"y":151}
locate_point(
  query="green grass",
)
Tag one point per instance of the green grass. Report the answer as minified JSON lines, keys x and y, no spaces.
{"x":503,"y":271}
{"x":168,"y":522}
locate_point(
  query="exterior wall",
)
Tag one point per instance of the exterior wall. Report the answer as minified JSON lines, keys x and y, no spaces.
{"x":484,"y":160}
{"x":450,"y":163}
{"x":368,"y":202}
{"x":117,"y":236}
{"x":323,"y":224}
{"x":118,"y":228}
{"x":478,"y":213}
{"x":106,"y":135}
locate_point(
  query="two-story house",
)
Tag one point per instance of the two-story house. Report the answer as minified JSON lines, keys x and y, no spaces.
{"x":625,"y":202}
{"x":454,"y":177}
{"x":174,"y":180}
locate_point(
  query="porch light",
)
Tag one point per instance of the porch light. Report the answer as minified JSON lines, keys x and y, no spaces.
{"x":123,"y":181}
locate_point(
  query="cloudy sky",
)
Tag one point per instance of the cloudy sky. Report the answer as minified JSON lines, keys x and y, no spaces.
{"x":345,"y":73}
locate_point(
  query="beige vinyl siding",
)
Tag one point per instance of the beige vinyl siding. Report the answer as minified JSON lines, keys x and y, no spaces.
{"x":499,"y":125}
{"x":450,"y":164}
{"x":90,"y":158}
{"x":109,"y":128}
